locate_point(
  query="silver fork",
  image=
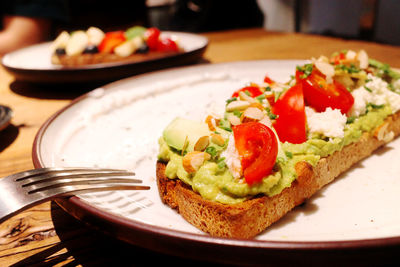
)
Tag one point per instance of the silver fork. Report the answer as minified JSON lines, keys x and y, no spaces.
{"x":23,"y":190}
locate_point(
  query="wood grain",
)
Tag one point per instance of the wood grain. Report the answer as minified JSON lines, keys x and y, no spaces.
{"x":46,"y":234}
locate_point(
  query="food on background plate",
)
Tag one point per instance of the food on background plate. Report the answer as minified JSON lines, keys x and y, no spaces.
{"x":276,"y":144}
{"x":94,"y":46}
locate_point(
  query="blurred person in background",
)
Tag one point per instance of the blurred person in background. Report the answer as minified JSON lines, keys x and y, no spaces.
{"x":26,"y":22}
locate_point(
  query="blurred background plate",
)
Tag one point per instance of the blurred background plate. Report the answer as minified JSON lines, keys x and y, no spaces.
{"x":32,"y":64}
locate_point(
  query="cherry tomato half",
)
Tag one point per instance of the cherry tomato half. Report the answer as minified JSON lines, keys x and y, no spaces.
{"x":111,"y":40}
{"x":290,"y":123}
{"x":252,"y":90}
{"x":152,"y":36}
{"x":167,"y":45}
{"x":258,"y":149}
{"x":320,"y":94}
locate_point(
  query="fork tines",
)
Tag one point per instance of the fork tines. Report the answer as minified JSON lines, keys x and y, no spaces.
{"x":57,"y":180}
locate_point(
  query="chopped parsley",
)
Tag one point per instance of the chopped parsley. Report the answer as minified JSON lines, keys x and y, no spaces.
{"x":237,"y":113}
{"x":221,"y":163}
{"x":374,"y":106}
{"x":271,"y":115}
{"x":212,"y":151}
{"x":351,"y":119}
{"x":289,"y":154}
{"x":260,"y":98}
{"x":225,"y":124}
{"x":349,"y":69}
{"x":367,"y":88}
{"x":231,"y":100}
{"x":306,"y":70}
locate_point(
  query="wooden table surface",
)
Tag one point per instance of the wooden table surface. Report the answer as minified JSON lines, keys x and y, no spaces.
{"x":47,"y":234}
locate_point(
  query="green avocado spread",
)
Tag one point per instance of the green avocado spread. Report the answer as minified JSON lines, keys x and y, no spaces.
{"x":214,"y":181}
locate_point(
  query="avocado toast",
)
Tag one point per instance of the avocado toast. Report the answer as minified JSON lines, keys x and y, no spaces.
{"x":277,"y":144}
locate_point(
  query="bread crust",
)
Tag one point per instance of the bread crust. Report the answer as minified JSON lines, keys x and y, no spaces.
{"x":251,"y":217}
{"x":99,"y":58}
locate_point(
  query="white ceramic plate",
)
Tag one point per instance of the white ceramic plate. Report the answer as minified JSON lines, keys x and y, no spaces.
{"x":119,"y":125}
{"x":33,"y":63}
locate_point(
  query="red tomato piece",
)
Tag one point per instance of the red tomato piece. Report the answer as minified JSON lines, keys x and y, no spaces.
{"x":290,"y":123}
{"x":268,"y":80}
{"x":252,"y":90}
{"x":111,"y":40}
{"x":167,"y":45}
{"x":320,"y":95}
{"x":338,"y":58}
{"x":258,"y":149}
{"x":152,"y":36}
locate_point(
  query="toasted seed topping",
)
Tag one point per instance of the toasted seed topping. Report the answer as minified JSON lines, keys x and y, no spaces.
{"x":192,"y":161}
{"x":252,"y":114}
{"x":217,"y":139}
{"x":237,"y":105}
{"x":202,"y":143}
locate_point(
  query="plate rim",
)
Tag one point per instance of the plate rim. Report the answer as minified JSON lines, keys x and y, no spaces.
{"x":83,"y":210}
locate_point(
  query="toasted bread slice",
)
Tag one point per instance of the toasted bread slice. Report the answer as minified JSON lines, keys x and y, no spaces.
{"x":251,"y":217}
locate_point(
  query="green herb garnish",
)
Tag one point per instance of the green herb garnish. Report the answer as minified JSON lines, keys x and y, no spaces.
{"x":374,"y":106}
{"x":237,"y":113}
{"x":350,"y":119}
{"x":368,"y":89}
{"x":306,"y":70}
{"x":289,"y":154}
{"x":212,"y":151}
{"x":231,"y":100}
{"x":260,"y":98}
{"x":349,"y":69}
{"x":221,"y":163}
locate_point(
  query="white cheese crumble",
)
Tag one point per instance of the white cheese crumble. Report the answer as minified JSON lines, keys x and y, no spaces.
{"x":329,"y":123}
{"x":375,"y":91}
{"x":396,"y":85}
{"x":361,"y":98}
{"x":232,"y":158}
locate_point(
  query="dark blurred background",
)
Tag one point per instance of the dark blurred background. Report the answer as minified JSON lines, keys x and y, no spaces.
{"x":372,"y":20}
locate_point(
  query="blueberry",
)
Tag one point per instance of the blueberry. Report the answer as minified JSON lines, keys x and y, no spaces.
{"x":91,"y":49}
{"x":60,"y":51}
{"x":143,"y":49}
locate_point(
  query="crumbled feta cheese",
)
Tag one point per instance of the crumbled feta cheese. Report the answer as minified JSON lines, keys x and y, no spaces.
{"x":329,"y":123}
{"x":327,"y":69}
{"x":232,"y":158}
{"x":375,"y":91}
{"x":396,"y":85}
{"x":351,"y":55}
{"x":394,"y":100}
{"x":361,"y":98}
{"x":362,"y":58}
